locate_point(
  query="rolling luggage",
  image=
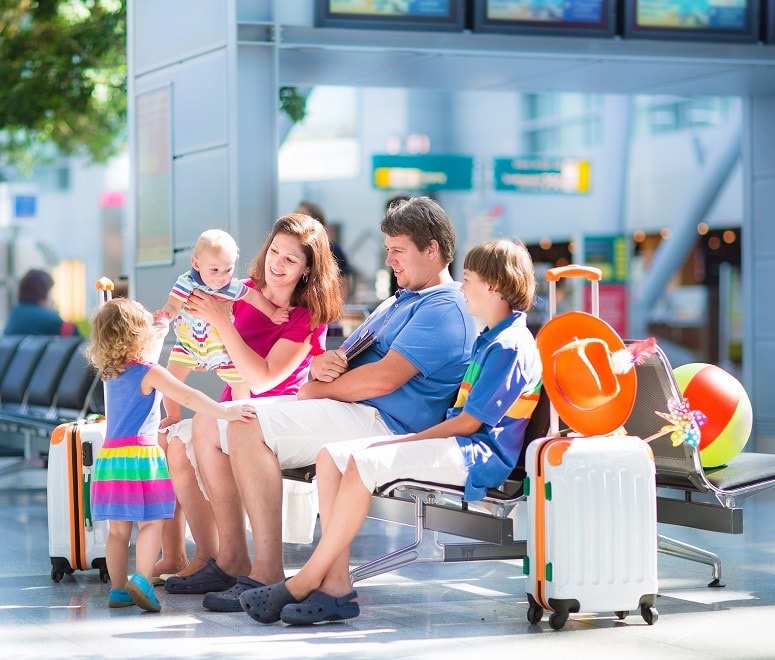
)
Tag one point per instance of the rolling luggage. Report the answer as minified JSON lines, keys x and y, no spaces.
{"x":75,"y":541}
{"x":591,"y":496}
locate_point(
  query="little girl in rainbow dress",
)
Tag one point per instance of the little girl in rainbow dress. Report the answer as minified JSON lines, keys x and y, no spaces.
{"x":131,"y":480}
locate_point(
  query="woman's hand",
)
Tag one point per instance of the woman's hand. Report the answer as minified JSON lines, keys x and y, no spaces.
{"x":203,"y":305}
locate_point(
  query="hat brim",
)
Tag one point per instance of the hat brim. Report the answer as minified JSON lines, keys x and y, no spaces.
{"x":562,"y":330}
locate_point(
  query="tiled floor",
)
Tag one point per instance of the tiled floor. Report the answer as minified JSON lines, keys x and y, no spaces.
{"x":426,"y":611}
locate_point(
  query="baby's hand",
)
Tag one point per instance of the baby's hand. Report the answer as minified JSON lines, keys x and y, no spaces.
{"x":161,"y":316}
{"x":280,"y":315}
{"x":242,"y":413}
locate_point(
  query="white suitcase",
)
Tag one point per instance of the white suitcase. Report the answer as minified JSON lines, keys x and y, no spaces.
{"x":592,"y":521}
{"x":75,"y":541}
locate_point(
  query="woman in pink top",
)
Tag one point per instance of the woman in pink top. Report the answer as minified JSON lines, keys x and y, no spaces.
{"x":294,"y":270}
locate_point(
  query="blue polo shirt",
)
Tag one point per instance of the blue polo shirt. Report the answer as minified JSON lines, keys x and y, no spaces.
{"x":432,"y":330}
{"x":500,"y":388}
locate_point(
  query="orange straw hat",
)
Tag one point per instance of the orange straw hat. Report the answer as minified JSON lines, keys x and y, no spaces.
{"x":587,"y":372}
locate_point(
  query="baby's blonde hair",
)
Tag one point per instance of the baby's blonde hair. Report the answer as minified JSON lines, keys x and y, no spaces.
{"x":122,"y":330}
{"x":216,"y":240}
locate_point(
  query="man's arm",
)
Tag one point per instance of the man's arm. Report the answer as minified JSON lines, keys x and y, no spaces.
{"x":365,"y":382}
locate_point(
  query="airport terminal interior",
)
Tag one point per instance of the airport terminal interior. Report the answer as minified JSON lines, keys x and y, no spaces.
{"x":679,"y":138}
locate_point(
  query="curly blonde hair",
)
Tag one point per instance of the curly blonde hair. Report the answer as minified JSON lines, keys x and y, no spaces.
{"x":122,"y":330}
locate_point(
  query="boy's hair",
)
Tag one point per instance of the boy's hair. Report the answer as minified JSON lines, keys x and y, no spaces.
{"x":507,"y":267}
{"x":218,"y":240}
{"x":121,"y":331}
{"x":422,"y":220}
{"x":319,"y":291}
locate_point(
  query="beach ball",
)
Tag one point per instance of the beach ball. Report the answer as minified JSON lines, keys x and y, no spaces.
{"x":718,"y":394}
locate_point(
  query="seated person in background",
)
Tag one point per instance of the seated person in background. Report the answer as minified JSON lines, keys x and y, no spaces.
{"x":476,"y":446}
{"x":314,"y":210}
{"x":34,"y":313}
{"x":403,"y":383}
{"x":198,"y":345}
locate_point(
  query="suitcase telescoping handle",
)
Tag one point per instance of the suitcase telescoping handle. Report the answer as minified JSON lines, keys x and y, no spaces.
{"x":554,"y":275}
{"x":591,"y":273}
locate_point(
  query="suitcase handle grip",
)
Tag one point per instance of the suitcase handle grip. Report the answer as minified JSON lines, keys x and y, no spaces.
{"x":104,"y":284}
{"x":592,"y":273}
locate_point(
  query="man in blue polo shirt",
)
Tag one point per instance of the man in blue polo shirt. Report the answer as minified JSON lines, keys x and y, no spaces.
{"x":403,"y":383}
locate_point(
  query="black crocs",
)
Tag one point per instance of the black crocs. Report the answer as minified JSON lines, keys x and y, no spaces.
{"x":321,"y":608}
{"x":265,"y":604}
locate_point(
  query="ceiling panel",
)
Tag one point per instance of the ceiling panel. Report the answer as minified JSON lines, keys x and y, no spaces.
{"x":311,"y":57}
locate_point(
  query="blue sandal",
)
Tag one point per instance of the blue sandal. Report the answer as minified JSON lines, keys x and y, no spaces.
{"x":142,"y":592}
{"x":120,"y":598}
{"x":265,"y":603}
{"x":321,"y":608}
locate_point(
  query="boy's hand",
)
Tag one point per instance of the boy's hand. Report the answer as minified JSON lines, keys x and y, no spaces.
{"x":280,"y":315}
{"x":240,"y":413}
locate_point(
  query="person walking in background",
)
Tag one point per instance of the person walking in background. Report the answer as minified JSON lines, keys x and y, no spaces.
{"x":131,"y":482}
{"x":345,"y":271}
{"x":34,"y":313}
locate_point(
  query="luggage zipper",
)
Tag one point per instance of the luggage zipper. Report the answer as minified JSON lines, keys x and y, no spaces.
{"x":76,"y":486}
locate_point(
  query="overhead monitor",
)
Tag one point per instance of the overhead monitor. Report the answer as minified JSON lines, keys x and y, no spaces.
{"x":428,"y":15}
{"x":548,"y":17}
{"x":692,"y":20}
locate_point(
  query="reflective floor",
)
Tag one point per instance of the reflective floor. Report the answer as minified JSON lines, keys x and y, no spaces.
{"x":426,"y":611}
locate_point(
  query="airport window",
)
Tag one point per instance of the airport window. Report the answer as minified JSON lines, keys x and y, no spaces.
{"x":561,"y":123}
{"x":655,"y":115}
{"x":325,"y":145}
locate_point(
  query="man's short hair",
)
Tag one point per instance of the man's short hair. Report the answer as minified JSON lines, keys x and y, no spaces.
{"x":422,"y":220}
{"x":34,"y":287}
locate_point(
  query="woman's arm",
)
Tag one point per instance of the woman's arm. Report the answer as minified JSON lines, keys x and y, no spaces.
{"x":260,"y":374}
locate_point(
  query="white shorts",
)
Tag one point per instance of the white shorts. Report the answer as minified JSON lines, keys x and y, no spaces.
{"x":439,"y":460}
{"x":182,"y":431}
{"x":296,"y":430}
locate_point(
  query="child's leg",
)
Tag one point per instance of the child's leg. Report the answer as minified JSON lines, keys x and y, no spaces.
{"x":117,"y":552}
{"x":147,"y":547}
{"x":181,"y":372}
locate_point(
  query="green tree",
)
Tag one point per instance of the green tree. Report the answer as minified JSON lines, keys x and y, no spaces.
{"x":62,"y":78}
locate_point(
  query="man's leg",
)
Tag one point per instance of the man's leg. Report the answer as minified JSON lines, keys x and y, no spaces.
{"x":257,"y":475}
{"x":215,"y":467}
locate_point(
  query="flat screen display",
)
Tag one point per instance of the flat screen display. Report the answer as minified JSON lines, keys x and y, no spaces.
{"x":549,"y":17}
{"x":692,"y":20}
{"x":429,"y":15}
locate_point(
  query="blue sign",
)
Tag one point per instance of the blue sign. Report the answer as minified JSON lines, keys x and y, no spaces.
{"x":25,"y":207}
{"x":422,"y":172}
{"x":565,"y":176}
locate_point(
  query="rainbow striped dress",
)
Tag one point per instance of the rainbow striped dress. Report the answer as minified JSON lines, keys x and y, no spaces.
{"x":131,"y":480}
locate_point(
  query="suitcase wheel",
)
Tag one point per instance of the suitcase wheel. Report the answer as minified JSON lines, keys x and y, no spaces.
{"x":534,"y":614}
{"x":102,"y":564}
{"x":557,"y":620}
{"x":621,"y":614}
{"x":649,"y":614}
{"x":59,"y":567}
